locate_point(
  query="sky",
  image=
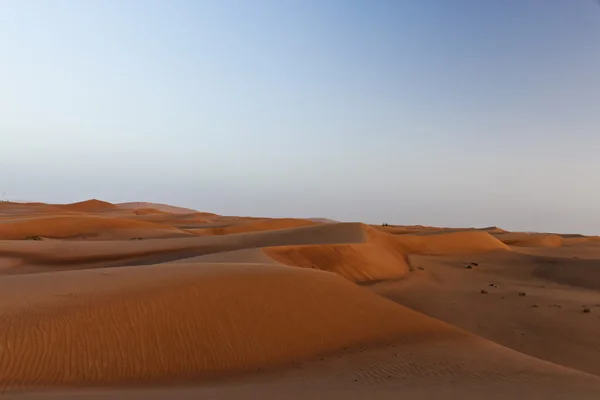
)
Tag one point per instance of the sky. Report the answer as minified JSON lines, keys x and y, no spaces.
{"x":437,"y":112}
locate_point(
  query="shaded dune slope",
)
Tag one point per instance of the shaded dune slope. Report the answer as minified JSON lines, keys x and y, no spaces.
{"x":183,"y":322}
{"x":358,"y":262}
{"x":163,"y":250}
{"x":158,"y":206}
{"x":256,"y":256}
{"x":90,"y":206}
{"x":353,"y":250}
{"x":371,"y":255}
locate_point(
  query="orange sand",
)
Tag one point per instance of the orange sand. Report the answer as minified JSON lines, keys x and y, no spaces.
{"x":134,"y":296}
{"x":183,"y":322}
{"x":82,"y":226}
{"x":531,"y":240}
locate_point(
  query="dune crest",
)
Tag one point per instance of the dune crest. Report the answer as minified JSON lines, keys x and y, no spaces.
{"x":531,"y":240}
{"x":158,"y":206}
{"x":259,"y":226}
{"x":90,"y":206}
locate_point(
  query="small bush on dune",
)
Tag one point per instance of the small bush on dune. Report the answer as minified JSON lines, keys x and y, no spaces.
{"x":33,"y":238}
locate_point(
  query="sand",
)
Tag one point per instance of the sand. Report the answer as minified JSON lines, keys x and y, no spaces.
{"x":83,"y":227}
{"x":531,"y":240}
{"x":157,"y":206}
{"x":144,"y":300}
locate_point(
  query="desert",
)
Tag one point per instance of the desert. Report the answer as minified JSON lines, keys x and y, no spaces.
{"x":146,"y":300}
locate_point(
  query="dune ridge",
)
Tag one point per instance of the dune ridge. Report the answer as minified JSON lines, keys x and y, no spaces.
{"x":530,"y":240}
{"x":357,"y":262}
{"x":259,"y":226}
{"x":443,"y":243}
{"x":89,"y":206}
{"x":157,"y":206}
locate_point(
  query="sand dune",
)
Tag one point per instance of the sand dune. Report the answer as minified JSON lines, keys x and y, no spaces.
{"x":270,"y":304}
{"x":268,"y":225}
{"x":357,"y":262}
{"x":146,"y":211}
{"x":90,"y":206}
{"x":323,"y":220}
{"x":144,"y":252}
{"x":450,"y":243}
{"x":81,"y":226}
{"x":547,"y":322}
{"x":253,"y":256}
{"x":530,"y":240}
{"x":157,"y":206}
{"x":139,"y":327}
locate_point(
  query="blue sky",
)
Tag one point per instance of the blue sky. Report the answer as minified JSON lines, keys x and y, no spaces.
{"x":442,"y":112}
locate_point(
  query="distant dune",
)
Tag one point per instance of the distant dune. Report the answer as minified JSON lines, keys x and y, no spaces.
{"x":530,"y":239}
{"x":89,"y":206}
{"x":82,"y":226}
{"x":450,"y":243}
{"x":323,"y":220}
{"x":156,"y":206}
{"x":268,"y":225}
{"x":363,"y":262}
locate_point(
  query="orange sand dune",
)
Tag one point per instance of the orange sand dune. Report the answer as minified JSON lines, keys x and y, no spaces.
{"x":160,"y":207}
{"x":83,"y":227}
{"x":357,"y":262}
{"x":146,"y":211}
{"x":493,"y":229}
{"x":375,"y":255}
{"x":266,"y":225}
{"x":548,"y":322}
{"x":450,"y":243}
{"x":245,"y":294}
{"x":90,"y":206}
{"x":530,"y":240}
{"x":23,"y":209}
{"x":163,"y":250}
{"x":252,"y":256}
{"x":181,"y":221}
{"x":184,"y":322}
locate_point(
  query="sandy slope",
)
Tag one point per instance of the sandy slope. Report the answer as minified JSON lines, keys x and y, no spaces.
{"x":144,"y":252}
{"x":363,"y":262}
{"x":440,"y":243}
{"x":530,"y":240}
{"x":90,"y":206}
{"x":245,"y":295}
{"x":83,"y":226}
{"x":256,"y":226}
{"x":548,"y":322}
{"x":182,"y":322}
{"x":157,"y":206}
{"x":139,"y":328}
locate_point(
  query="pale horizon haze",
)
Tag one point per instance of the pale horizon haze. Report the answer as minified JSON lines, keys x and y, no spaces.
{"x":436,"y":112}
